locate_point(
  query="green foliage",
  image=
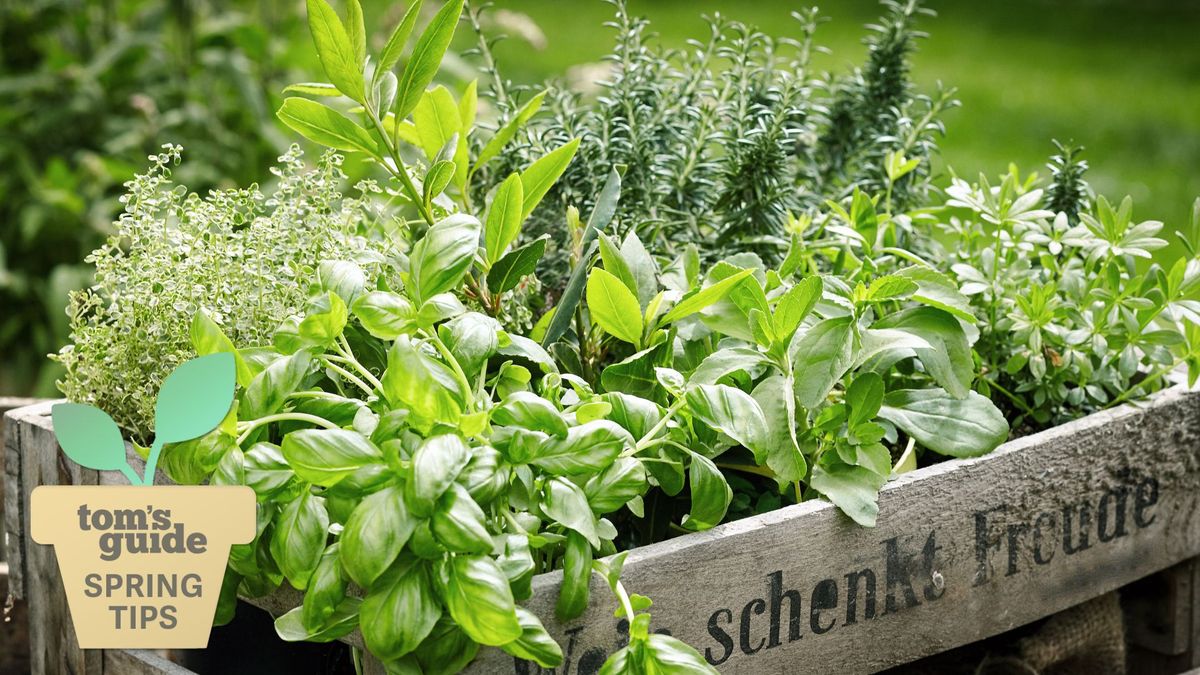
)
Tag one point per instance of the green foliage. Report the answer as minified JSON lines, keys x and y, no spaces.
{"x":1073,"y":318}
{"x":91,"y":89}
{"x":160,"y":268}
{"x":726,"y":138}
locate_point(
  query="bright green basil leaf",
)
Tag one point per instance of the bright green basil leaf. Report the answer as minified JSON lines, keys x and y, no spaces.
{"x":421,"y":383}
{"x":472,"y":338}
{"x":344,"y":620}
{"x":665,"y":654}
{"x":535,"y":644}
{"x":447,"y":650}
{"x":567,"y":505}
{"x":400,"y":610}
{"x":459,"y":524}
{"x":614,"y":307}
{"x":516,"y":265}
{"x":710,"y":494}
{"x":335,"y":49}
{"x":326,"y":590}
{"x":298,"y":539}
{"x":426,"y":57}
{"x":384,"y":315}
{"x":326,"y":456}
{"x":435,"y":465}
{"x":324,"y":321}
{"x":587,"y":448}
{"x":623,"y":480}
{"x":577,"y":571}
{"x":820,"y":357}
{"x":966,"y":427}
{"x":730,"y":411}
{"x":324,"y":125}
{"x":530,"y":411}
{"x":478,"y":597}
{"x":208,"y":338}
{"x":374,"y":535}
{"x":266,"y":470}
{"x":441,"y":258}
{"x":539,"y":177}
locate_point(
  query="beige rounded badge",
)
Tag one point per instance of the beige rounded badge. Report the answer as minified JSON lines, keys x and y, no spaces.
{"x":142,"y":565}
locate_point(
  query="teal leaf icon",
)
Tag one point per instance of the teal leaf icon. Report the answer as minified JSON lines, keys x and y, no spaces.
{"x":90,"y":438}
{"x":194,"y":399}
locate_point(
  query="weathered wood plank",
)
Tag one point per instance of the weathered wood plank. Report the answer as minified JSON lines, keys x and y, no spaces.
{"x":53,"y":648}
{"x":964,"y":550}
{"x":140,"y":662}
{"x":7,"y":403}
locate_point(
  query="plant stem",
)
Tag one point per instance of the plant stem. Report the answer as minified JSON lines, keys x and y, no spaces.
{"x":645,"y":440}
{"x":283,"y":417}
{"x":459,"y":375}
{"x":348,"y":375}
{"x":400,"y":172}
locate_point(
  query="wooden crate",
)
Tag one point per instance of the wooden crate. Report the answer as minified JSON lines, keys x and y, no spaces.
{"x":964,"y":550}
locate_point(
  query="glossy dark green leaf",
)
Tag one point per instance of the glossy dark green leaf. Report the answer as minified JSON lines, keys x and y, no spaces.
{"x":374,"y":535}
{"x":566,"y":504}
{"x":587,"y":448}
{"x":478,"y":597}
{"x":326,"y":456}
{"x":577,"y":570}
{"x":459,"y":524}
{"x":326,"y":590}
{"x":435,"y":465}
{"x":515,"y":266}
{"x":399,"y":611}
{"x":298,"y":539}
{"x":535,"y":644}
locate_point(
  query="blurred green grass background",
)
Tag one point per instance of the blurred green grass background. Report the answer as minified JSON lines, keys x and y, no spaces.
{"x":1121,"y":78}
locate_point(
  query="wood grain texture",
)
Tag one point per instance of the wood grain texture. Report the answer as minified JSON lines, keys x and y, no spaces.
{"x":7,"y":403}
{"x":964,"y":549}
{"x":140,"y":662}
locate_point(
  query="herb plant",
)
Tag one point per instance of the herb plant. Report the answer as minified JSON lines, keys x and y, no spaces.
{"x":243,"y":256}
{"x":1075,"y":315}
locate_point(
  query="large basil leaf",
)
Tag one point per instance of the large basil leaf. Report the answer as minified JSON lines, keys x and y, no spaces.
{"x":567,"y":505}
{"x":266,"y":470}
{"x":447,"y":650}
{"x":270,"y":388}
{"x":399,"y":611}
{"x":623,"y":480}
{"x":479,"y":599}
{"x":384,"y":315}
{"x":710,"y":494}
{"x":326,"y":456}
{"x":299,"y":537}
{"x":459,"y":524}
{"x":535,"y":644}
{"x":290,"y":626}
{"x":966,"y":427}
{"x":326,"y":590}
{"x":472,"y":338}
{"x":374,"y":535}
{"x":441,"y":258}
{"x":435,"y":465}
{"x":530,"y":411}
{"x":577,"y":570}
{"x":588,"y":448}
{"x":778,"y":403}
{"x":421,"y":383}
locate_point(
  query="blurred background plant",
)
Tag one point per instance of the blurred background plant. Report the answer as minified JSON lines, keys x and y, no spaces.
{"x":89,"y":88}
